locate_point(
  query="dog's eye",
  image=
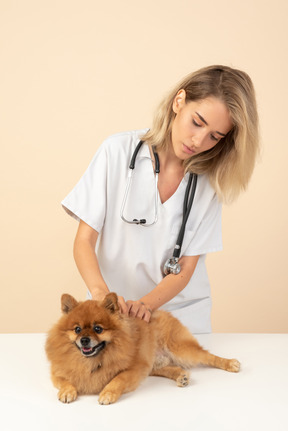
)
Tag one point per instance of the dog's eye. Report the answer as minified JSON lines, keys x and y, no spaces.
{"x":98,"y":329}
{"x":77,"y":330}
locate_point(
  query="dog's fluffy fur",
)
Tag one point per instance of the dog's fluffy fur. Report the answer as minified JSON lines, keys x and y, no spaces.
{"x":94,"y":349}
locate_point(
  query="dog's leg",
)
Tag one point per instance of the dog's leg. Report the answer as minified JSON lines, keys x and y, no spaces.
{"x":124,"y":382}
{"x":67,"y":392}
{"x":206,"y":358}
{"x":178,"y":374}
{"x":188,"y":353}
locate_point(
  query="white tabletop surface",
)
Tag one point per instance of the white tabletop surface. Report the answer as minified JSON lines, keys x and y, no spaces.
{"x":254,"y":399}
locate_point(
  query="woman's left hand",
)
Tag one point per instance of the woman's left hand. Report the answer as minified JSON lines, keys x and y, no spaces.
{"x":139,"y":309}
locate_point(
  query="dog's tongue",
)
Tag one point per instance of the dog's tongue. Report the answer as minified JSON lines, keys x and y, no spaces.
{"x":86,"y":349}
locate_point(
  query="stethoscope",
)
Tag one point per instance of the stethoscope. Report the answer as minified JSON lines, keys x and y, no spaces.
{"x":171,"y":266}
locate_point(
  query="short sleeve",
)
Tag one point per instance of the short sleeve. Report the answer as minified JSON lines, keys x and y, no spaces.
{"x":87,"y":201}
{"x":208,"y":236}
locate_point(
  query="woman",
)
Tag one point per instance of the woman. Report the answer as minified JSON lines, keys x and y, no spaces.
{"x":207,"y":125}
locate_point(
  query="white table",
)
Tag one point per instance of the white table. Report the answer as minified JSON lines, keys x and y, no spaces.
{"x":255,"y":399}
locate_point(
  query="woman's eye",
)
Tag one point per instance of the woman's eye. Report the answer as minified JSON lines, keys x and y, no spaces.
{"x":77,"y":330}
{"x":214,"y":138}
{"x":98,"y":329}
{"x":195,"y":123}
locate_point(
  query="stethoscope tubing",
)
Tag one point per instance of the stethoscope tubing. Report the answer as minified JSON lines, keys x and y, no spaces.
{"x":171,"y":265}
{"x":141,"y":222}
{"x":187,"y":205}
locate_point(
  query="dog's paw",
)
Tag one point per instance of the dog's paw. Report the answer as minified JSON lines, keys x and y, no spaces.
{"x":67,"y":395}
{"x":107,"y":397}
{"x":234,"y":366}
{"x":183,"y":379}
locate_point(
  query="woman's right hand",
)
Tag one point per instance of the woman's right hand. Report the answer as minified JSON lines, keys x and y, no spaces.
{"x":139,"y":310}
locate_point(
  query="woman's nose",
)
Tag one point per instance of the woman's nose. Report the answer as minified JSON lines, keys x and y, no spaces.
{"x":198,"y":139}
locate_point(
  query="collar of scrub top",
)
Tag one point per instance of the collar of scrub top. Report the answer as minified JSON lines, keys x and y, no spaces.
{"x":146,"y":154}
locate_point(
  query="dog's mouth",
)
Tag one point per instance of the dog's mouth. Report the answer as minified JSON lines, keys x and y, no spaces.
{"x":92,"y":351}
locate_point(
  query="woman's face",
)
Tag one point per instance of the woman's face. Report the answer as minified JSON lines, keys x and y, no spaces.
{"x":198,"y":125}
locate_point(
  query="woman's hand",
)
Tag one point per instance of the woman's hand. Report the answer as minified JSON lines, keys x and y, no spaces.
{"x":100,"y":296}
{"x":139,"y":309}
{"x":123,"y":305}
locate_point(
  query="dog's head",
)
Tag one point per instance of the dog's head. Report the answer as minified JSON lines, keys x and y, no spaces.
{"x":90,"y":325}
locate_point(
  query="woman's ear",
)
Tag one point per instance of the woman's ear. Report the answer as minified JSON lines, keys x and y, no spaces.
{"x":179,"y":101}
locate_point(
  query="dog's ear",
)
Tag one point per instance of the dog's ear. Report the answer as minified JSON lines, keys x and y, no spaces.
{"x":111,"y":302}
{"x":68,"y":303}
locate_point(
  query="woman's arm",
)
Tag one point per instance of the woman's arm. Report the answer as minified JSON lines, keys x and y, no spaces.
{"x":169,"y":287}
{"x":86,"y":260}
{"x":87,"y":263}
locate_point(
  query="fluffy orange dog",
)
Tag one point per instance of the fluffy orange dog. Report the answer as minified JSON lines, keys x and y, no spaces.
{"x":94,"y":349}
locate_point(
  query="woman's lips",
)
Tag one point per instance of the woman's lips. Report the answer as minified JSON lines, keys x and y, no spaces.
{"x":188,"y":150}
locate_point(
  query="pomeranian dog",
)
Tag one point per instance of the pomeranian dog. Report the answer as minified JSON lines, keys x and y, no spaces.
{"x":94,"y":349}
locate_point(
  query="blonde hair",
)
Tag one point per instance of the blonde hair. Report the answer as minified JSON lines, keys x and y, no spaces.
{"x":229,"y":165}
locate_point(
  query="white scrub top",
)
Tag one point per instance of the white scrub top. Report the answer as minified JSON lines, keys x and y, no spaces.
{"x":131,"y":257}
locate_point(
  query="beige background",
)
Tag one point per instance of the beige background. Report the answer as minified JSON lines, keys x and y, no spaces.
{"x":75,"y":72}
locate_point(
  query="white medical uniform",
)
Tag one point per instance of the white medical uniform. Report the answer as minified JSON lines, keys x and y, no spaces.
{"x":131,"y":257}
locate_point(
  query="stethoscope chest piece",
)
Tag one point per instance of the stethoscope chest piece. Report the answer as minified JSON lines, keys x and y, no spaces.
{"x":172,"y":266}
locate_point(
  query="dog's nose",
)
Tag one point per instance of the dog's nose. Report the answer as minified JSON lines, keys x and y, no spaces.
{"x":85,"y":341}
